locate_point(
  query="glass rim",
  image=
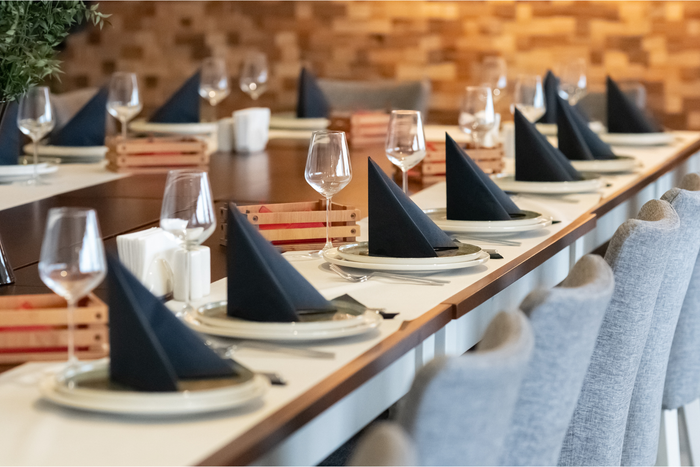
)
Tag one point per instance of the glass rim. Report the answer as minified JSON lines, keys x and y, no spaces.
{"x":327,"y":132}
{"x":188,"y":171}
{"x":405,"y":112}
{"x":72,"y":211}
{"x":478,"y":87}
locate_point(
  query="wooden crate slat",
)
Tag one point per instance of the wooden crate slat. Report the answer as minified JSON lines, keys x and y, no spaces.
{"x":162,"y":147}
{"x":53,"y":337}
{"x":302,"y":217}
{"x":313,"y":233}
{"x":19,"y":357}
{"x":48,"y":309}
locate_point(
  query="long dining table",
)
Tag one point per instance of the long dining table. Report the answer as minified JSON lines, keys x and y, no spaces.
{"x":325,"y":401}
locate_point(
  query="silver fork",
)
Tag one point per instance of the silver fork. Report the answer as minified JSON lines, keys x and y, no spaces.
{"x":365,"y":277}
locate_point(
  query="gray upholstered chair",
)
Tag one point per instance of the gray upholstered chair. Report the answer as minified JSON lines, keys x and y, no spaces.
{"x":642,"y":434}
{"x":595,"y":104}
{"x":638,"y":259}
{"x":566,"y":321}
{"x":386,"y":443}
{"x":459,"y":409}
{"x":682,"y":386}
{"x":377,"y":95}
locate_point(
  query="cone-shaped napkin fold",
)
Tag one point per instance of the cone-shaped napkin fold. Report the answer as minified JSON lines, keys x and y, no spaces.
{"x":10,"y":136}
{"x":183,"y":106}
{"x":397,"y":226}
{"x":551,"y":92}
{"x":535,"y":159}
{"x":311,"y":103}
{"x":150,"y":349}
{"x":471,"y":194}
{"x":262,"y":285}
{"x":87,"y":127}
{"x":576,"y":140}
{"x":624,"y":116}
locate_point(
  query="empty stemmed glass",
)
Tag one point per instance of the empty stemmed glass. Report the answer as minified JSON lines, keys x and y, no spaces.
{"x":477,"y":116}
{"x":405,"y":141}
{"x":213,"y":82}
{"x":35,"y":119}
{"x":188,"y":214}
{"x":72,"y":261}
{"x":124,"y":102}
{"x":328,"y":170}
{"x":494,"y":75}
{"x":528,"y":97}
{"x":572,"y":80}
{"x":253,"y":79}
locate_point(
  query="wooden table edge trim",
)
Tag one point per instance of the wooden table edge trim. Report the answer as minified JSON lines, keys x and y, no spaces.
{"x":615,"y":199}
{"x":487,"y":287}
{"x":277,"y":426}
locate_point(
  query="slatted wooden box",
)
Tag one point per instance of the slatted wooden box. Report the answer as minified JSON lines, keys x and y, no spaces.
{"x":34,"y":327}
{"x":155,"y":154}
{"x":432,"y":168}
{"x":299,"y":226}
{"x":363,"y":128}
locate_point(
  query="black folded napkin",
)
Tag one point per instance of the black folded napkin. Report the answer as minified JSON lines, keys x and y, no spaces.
{"x":150,"y":349}
{"x":311,"y":102}
{"x":576,"y":140}
{"x":87,"y":127}
{"x":551,"y":92}
{"x":10,"y":136}
{"x":535,"y":159}
{"x":183,"y":106}
{"x":471,"y":194}
{"x":262,"y":285}
{"x":624,"y":116}
{"x":397,"y":226}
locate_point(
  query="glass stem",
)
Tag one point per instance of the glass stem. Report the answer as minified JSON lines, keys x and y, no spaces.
{"x":36,"y":160}
{"x":72,"y":359}
{"x":123,"y":120}
{"x":188,"y":279}
{"x":477,"y":140}
{"x":328,"y":225}
{"x":404,"y":174}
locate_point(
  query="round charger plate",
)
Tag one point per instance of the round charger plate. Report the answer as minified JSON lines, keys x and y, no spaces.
{"x":509,"y":183}
{"x":359,"y":252}
{"x":531,"y":221}
{"x":68,"y":152}
{"x":93,"y":391}
{"x":333,"y":257}
{"x":638,"y":139}
{"x":620,"y":164}
{"x":550,"y":129}
{"x":16,"y":173}
{"x":289,"y":121}
{"x":174,"y":128}
{"x":284,"y":332}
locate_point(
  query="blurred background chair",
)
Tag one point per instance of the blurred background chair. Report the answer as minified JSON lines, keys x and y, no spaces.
{"x":638,"y":254}
{"x":595,"y":104}
{"x":459,"y":409}
{"x":377,"y":95}
{"x":566,"y":321}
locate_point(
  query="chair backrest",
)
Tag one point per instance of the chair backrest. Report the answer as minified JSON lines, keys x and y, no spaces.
{"x":566,"y":321}
{"x":642,"y":435}
{"x":638,"y":260}
{"x":683,"y":373}
{"x":595,"y":104}
{"x":377,"y":95}
{"x":459,"y":409}
{"x":385,"y":443}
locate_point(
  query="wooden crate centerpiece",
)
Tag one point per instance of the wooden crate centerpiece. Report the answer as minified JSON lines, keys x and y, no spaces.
{"x":153,"y":154}
{"x":299,"y":226}
{"x":34,"y":327}
{"x":363,"y":128}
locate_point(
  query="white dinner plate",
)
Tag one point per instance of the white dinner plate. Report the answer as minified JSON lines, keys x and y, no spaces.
{"x":532,"y":221}
{"x":509,"y":183}
{"x":550,"y":129}
{"x":93,"y":392}
{"x":174,"y":128}
{"x":70,"y":153}
{"x":359,"y":252}
{"x":332,"y":257}
{"x":285,"y":332}
{"x":16,"y":173}
{"x":638,"y":139}
{"x":288,"y":121}
{"x":621,"y":164}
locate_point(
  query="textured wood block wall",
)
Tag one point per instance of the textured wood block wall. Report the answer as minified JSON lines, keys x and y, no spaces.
{"x":656,"y":43}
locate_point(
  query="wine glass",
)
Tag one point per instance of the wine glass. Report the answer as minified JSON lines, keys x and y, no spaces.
{"x":477,"y":116}
{"x":494,"y":75}
{"x":253,"y":79}
{"x":328,"y":170}
{"x":123,"y":102}
{"x":35,"y":119}
{"x":405,"y":141}
{"x":72,"y":261}
{"x":213,"y":82}
{"x":188,"y":214}
{"x":528,"y":97}
{"x":572,"y":80}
